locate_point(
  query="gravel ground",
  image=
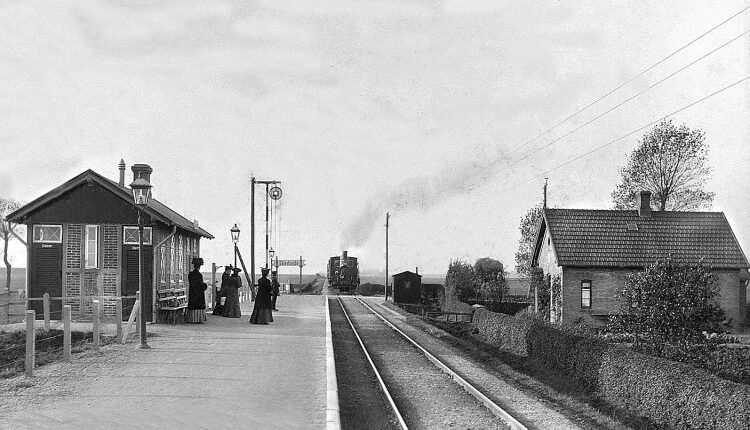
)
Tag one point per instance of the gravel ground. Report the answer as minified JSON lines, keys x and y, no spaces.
{"x":362,"y":403}
{"x":426,"y":397}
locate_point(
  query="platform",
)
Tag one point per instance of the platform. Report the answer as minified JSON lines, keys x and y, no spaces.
{"x":225,"y":373}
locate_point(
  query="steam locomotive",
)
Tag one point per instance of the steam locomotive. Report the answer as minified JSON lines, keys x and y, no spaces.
{"x":343,"y":273}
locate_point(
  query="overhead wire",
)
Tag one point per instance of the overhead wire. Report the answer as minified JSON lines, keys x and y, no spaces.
{"x":636,"y":130}
{"x":639,"y":74}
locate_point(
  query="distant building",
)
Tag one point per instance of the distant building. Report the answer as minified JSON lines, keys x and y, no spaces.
{"x":592,"y":251}
{"x":407,"y":287}
{"x":83,"y":245}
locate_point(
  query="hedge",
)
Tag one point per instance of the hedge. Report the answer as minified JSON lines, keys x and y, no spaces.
{"x":670,"y":395}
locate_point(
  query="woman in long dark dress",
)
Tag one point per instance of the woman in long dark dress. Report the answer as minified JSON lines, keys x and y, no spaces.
{"x":196,"y":308}
{"x":224,"y":287}
{"x":262,"y":310}
{"x":231,"y":308}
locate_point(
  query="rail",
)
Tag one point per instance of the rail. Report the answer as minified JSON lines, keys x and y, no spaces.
{"x":387,"y":393}
{"x":492,"y":406}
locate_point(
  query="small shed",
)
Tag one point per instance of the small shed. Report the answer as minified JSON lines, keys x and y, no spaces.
{"x":83,"y":245}
{"x":407,"y":287}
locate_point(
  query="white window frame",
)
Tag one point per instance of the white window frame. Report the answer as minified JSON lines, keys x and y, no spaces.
{"x":87,"y":243}
{"x":147,"y":238}
{"x":586,"y":285}
{"x":43,"y":240}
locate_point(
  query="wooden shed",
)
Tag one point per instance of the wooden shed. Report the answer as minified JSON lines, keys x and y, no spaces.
{"x":407,"y":287}
{"x":83,"y":245}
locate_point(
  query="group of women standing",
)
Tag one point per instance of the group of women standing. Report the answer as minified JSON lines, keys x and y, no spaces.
{"x":228,"y":303}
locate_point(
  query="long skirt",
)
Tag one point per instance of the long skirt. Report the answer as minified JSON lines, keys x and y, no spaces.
{"x":196,"y":316}
{"x":261,"y":316}
{"x":231,"y":308}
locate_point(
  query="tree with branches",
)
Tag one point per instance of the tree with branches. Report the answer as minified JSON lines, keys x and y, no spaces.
{"x":8,"y":232}
{"x":529,"y":226}
{"x":671,"y":162}
{"x":490,"y":275}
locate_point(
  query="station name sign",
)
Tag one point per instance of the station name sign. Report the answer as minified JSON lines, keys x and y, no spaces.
{"x":294,"y":263}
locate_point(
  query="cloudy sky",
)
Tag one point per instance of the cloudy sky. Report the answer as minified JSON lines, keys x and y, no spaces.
{"x":424,"y":109}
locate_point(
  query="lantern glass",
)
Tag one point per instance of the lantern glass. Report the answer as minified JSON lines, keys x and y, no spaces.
{"x":235,"y":233}
{"x":141,"y":191}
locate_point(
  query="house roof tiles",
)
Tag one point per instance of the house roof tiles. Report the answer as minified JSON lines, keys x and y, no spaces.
{"x":603,"y":238}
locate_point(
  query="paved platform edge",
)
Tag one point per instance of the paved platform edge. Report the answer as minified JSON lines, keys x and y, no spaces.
{"x":333,"y":418}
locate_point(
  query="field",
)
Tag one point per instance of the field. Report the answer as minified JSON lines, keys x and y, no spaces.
{"x":17,"y":279}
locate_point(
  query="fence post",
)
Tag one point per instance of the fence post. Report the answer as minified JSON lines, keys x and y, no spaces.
{"x":30,"y":342}
{"x":66,"y":332}
{"x":95,"y":329}
{"x":45,"y":303}
{"x":119,"y":319}
{"x":213,"y":285}
{"x":137,"y":319}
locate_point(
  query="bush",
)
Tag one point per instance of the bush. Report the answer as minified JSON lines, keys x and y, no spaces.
{"x":671,"y":395}
{"x":667,"y":394}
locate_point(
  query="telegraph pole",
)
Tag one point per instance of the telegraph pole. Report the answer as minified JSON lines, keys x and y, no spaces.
{"x":387,"y":216}
{"x":252,"y":232}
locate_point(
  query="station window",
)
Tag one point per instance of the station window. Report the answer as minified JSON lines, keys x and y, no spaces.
{"x":586,"y":294}
{"x":130,"y":235}
{"x":47,"y":234}
{"x":92,"y":246}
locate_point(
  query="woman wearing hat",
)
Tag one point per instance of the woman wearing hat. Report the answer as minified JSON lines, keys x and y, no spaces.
{"x":262,"y":310}
{"x":196,"y":308}
{"x":225,"y":281}
{"x":231,"y":307}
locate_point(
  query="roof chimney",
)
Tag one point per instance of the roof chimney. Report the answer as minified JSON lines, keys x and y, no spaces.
{"x":122,"y":172}
{"x":417,"y":270}
{"x":644,"y":204}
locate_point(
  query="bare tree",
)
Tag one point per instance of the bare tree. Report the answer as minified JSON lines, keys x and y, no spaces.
{"x":8,"y":232}
{"x":670,"y":162}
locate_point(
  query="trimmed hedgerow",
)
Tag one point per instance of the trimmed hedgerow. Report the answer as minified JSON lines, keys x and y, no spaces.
{"x":576,"y":356}
{"x":672,"y":395}
{"x":502,"y":331}
{"x":665,"y":393}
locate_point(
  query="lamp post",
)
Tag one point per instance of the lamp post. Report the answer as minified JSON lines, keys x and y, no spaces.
{"x":235,"y":238}
{"x":141,"y":195}
{"x":271,"y":252}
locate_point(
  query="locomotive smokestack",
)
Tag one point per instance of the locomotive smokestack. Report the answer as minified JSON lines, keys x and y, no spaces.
{"x":343,"y":258}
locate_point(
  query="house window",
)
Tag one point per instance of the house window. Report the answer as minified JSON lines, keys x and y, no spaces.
{"x":586,"y":294}
{"x":92,"y":247}
{"x":48,"y":234}
{"x":130,"y":235}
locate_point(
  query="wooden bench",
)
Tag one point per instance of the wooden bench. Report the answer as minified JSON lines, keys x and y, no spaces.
{"x":173,"y":302}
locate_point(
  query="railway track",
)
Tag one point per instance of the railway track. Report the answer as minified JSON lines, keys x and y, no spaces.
{"x":420,"y":391}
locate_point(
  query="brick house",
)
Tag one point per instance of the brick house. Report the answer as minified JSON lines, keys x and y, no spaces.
{"x":83,"y":244}
{"x":586,"y":255}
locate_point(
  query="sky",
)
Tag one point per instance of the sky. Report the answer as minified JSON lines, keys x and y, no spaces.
{"x":427,"y":110}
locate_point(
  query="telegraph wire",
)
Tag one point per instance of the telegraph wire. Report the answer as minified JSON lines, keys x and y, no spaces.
{"x":633,"y":96}
{"x":636,"y":130}
{"x":641,"y":73}
{"x":498,"y":160}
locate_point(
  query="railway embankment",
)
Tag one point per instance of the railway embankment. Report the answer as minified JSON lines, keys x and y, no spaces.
{"x":663,"y":393}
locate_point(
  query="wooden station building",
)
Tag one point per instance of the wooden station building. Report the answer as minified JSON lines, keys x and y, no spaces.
{"x":83,"y":245}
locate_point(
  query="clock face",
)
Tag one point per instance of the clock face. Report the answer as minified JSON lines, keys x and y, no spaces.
{"x":275,"y":193}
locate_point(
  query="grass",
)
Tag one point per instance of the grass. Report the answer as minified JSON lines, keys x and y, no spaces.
{"x":49,"y":344}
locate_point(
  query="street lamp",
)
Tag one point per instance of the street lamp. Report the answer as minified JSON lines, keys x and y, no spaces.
{"x":271,"y":252}
{"x":141,"y":195}
{"x":235,"y":238}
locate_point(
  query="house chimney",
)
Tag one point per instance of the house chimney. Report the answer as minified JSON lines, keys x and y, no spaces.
{"x":416,"y":270}
{"x":644,"y":204}
{"x":122,"y":172}
{"x":195,"y":223}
